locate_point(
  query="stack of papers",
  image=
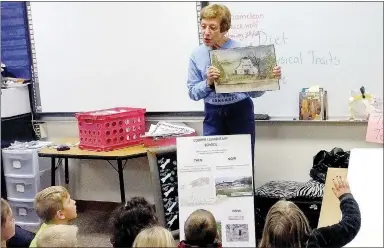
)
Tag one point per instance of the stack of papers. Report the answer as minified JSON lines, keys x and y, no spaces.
{"x":29,"y":145}
{"x":164,"y":129}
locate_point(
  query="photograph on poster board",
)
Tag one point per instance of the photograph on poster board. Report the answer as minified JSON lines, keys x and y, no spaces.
{"x":237,"y":232}
{"x":197,"y":190}
{"x":234,"y":186}
{"x":196,"y":183}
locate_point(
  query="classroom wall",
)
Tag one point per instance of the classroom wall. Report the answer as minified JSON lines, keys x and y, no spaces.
{"x":283,"y":151}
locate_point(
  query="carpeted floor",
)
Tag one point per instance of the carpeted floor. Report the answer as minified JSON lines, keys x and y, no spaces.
{"x":93,"y":229}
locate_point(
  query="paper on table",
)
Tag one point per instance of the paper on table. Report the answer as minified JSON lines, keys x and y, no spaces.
{"x":168,"y":129}
{"x":36,"y":144}
{"x":375,"y":128}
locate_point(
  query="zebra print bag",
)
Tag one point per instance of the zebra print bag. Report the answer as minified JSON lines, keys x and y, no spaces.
{"x":291,"y":189}
{"x":311,"y":189}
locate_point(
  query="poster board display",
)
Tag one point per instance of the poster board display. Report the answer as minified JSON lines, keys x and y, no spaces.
{"x":215,"y":173}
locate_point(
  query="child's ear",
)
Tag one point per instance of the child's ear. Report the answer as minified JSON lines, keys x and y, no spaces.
{"x":60,"y":215}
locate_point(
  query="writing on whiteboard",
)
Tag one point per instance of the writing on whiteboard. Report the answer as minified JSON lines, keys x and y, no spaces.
{"x":314,"y":57}
{"x":247,"y":16}
{"x":375,"y":128}
{"x":256,"y":37}
{"x":248,"y":29}
{"x":244,"y":25}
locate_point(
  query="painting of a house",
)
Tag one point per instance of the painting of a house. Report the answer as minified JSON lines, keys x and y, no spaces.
{"x":245,"y":69}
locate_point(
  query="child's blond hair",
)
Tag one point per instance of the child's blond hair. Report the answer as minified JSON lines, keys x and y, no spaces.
{"x":285,"y":226}
{"x":155,"y":236}
{"x":200,"y":228}
{"x":58,"y":236}
{"x":5,"y":211}
{"x":49,"y":201}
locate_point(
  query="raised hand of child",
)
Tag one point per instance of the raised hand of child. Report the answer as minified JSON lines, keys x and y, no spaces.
{"x":340,"y":186}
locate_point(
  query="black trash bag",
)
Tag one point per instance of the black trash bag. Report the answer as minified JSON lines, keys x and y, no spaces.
{"x":336,"y":158}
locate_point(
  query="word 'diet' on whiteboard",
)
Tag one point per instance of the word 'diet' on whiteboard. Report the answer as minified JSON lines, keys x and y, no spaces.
{"x":375,"y":128}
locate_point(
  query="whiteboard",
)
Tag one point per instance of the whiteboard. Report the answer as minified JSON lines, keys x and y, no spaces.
{"x":365,"y":177}
{"x":95,"y":55}
{"x":337,"y":45}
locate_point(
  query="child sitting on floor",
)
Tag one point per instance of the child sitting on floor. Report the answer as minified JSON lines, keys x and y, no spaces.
{"x":58,"y":236}
{"x":200,"y":230}
{"x":287,"y":226}
{"x":129,"y":219}
{"x":21,"y":237}
{"x":155,"y":236}
{"x":7,"y":223}
{"x":54,"y":206}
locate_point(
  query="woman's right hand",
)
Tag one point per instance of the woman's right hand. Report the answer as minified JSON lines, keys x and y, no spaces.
{"x":340,"y":186}
{"x":212,"y":74}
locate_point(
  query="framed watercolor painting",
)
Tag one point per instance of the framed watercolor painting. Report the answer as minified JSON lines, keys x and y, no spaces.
{"x":245,"y":69}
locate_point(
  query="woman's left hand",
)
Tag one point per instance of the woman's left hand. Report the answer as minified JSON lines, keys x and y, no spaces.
{"x":277,"y":72}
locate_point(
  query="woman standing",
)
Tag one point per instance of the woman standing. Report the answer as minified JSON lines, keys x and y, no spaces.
{"x":225,"y":114}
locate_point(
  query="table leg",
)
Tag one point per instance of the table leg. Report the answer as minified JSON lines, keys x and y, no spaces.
{"x":66,"y":172}
{"x":53,"y":171}
{"x":121,"y":179}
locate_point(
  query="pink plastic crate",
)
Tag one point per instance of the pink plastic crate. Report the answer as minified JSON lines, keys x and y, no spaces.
{"x":111,"y":129}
